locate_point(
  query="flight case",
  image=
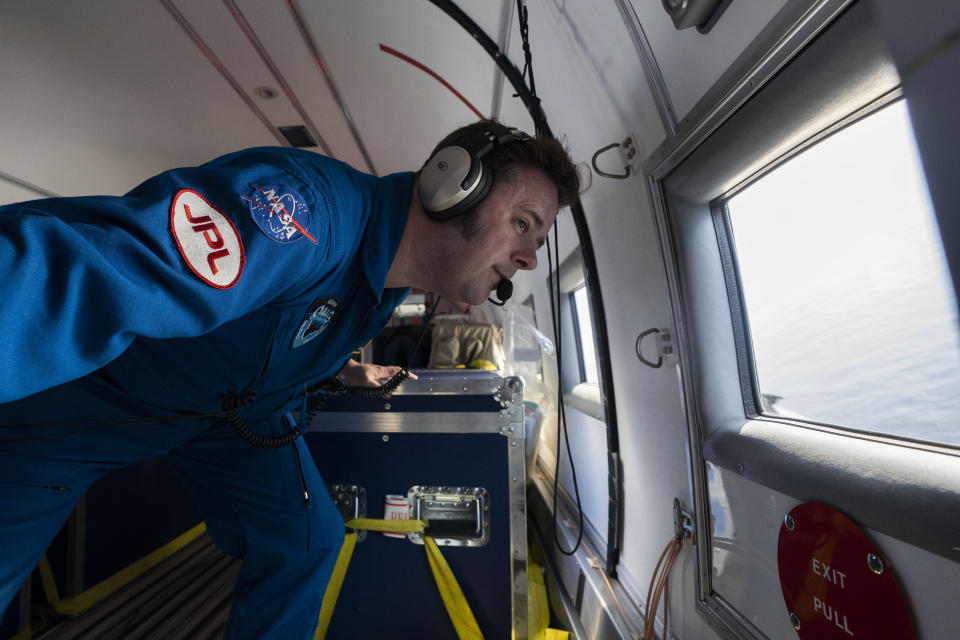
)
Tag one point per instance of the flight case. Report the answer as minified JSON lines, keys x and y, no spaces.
{"x":452,"y":443}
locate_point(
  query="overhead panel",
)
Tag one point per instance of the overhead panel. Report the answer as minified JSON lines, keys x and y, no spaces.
{"x":692,"y":62}
{"x":400,"y":110}
{"x":100,"y":96}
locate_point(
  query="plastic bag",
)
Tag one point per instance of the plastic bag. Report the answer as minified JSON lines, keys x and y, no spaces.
{"x":532,"y":357}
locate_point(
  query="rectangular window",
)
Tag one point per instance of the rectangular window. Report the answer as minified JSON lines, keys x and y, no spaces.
{"x":851,"y":311}
{"x":585,"y":344}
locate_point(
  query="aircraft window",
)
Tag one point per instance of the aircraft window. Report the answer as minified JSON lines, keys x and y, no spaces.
{"x":584,"y":327}
{"x":852,"y":316}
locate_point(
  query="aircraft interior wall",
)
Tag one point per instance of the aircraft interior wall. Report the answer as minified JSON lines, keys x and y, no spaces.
{"x":649,"y":405}
{"x":110,"y":92}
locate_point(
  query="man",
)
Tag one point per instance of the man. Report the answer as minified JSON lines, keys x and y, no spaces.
{"x":200,"y":306}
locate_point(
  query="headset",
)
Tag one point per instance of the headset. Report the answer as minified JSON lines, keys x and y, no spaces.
{"x":455,"y":179}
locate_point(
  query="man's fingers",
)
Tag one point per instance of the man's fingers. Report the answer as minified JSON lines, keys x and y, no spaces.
{"x":376,"y":375}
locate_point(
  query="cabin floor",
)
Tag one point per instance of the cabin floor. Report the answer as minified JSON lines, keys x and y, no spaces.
{"x":186,"y":597}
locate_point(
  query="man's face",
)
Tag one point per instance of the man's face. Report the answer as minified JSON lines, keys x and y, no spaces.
{"x":511,"y":224}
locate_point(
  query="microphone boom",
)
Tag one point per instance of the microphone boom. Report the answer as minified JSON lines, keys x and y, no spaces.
{"x":504,"y":291}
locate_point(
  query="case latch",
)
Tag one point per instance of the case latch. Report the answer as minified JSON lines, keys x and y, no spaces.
{"x":351,"y":502}
{"x":456,"y":516}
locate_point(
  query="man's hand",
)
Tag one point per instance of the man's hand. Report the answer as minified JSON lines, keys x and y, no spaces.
{"x":358,"y":374}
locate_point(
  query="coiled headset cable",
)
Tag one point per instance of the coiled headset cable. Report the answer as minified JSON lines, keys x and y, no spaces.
{"x":316,"y":396}
{"x":232,"y":404}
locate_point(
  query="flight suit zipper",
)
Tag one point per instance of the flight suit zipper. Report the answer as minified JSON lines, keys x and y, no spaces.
{"x":39,"y":486}
{"x":303,"y":478}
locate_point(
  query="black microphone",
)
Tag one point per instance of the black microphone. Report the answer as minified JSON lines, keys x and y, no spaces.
{"x":504,"y":291}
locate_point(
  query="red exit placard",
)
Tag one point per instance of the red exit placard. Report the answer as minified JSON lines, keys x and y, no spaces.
{"x":835,"y":583}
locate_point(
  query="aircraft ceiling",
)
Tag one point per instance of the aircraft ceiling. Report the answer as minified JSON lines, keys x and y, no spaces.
{"x":101,"y":95}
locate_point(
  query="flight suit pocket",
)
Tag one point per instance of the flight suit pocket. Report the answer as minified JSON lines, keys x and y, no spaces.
{"x":29,"y":488}
{"x":324,"y":521}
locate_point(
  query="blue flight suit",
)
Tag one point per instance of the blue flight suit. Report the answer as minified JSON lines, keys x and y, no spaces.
{"x":124,"y":318}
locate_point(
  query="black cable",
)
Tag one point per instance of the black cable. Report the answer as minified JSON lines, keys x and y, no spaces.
{"x":333,"y":386}
{"x":555,"y":314}
{"x":541,"y":129}
{"x":391,"y":385}
{"x":383,"y":390}
{"x":314,"y":402}
{"x":232,"y":404}
{"x":539,"y":119}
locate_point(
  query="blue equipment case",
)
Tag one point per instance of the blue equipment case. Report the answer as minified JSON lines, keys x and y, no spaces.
{"x":449,"y":429}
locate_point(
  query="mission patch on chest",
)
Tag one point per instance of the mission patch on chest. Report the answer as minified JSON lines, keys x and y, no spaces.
{"x":321,"y":313}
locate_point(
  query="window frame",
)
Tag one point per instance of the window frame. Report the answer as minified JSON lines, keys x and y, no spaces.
{"x":743,"y":338}
{"x":578,"y":394}
{"x":753,"y":402}
{"x":578,"y":333}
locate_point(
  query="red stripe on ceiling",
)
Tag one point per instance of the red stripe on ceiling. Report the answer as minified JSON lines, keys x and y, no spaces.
{"x":429,"y":71}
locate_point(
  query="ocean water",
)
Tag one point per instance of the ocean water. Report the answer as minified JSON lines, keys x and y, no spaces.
{"x":881,"y":359}
{"x":851,"y":307}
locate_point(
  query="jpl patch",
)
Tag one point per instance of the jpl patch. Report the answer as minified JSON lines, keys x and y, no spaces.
{"x":207,"y":240}
{"x":280,"y":212}
{"x":321,"y":314}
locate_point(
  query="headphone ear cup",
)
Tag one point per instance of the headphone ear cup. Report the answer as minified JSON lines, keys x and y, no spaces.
{"x":472,"y":199}
{"x":446,"y":179}
{"x":455,"y":179}
{"x":452,"y":182}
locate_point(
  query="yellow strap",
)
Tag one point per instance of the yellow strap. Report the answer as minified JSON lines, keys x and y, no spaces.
{"x":538,"y":608}
{"x":401,"y":526}
{"x":47,"y":581}
{"x":336,"y":581}
{"x":453,"y":600}
{"x":457,"y":607}
{"x":102,"y":589}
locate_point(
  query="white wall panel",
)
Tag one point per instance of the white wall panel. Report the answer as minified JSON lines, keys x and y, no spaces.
{"x":588,"y":442}
{"x":649,"y":405}
{"x":746,"y":523}
{"x":589,"y":77}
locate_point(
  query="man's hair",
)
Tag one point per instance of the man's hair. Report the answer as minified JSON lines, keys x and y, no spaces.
{"x":545,"y":154}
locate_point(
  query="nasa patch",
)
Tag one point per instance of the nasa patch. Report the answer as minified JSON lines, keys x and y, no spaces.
{"x":280,"y":212}
{"x":207,"y":240}
{"x":321,"y":313}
